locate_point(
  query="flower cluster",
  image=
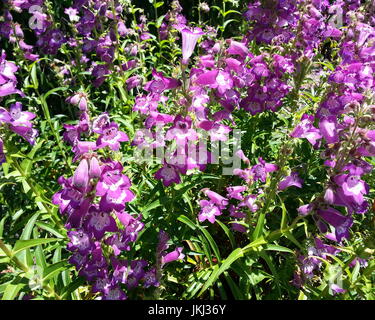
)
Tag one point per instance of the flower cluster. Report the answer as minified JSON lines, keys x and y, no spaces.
{"x":342,"y":118}
{"x":8,"y":79}
{"x":14,"y":119}
{"x":94,"y":202}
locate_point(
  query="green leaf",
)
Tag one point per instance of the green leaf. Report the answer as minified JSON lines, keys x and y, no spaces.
{"x":25,"y":244}
{"x":232,"y":11}
{"x":355,"y":272}
{"x":12,"y":291}
{"x":187,"y":221}
{"x":236,"y":254}
{"x":274,"y":247}
{"x":54,"y":91}
{"x":55,"y":269}
{"x":211,"y":242}
{"x":34,"y":77}
{"x":72,"y":287}
{"x":228,"y":233}
{"x":50,"y":228}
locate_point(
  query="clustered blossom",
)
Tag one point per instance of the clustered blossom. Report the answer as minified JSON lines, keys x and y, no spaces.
{"x":305,"y":23}
{"x":94,"y":203}
{"x":8,"y":79}
{"x":178,"y":111}
{"x":14,"y":119}
{"x":340,"y":119}
{"x":242,"y":201}
{"x":311,"y":263}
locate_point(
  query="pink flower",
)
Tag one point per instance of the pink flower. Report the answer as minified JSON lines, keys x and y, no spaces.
{"x":111,"y":137}
{"x":209,"y":211}
{"x":172,"y":256}
{"x":189,"y":40}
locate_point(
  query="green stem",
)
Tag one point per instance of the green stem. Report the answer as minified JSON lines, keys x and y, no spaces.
{"x":10,"y":255}
{"x":55,"y":133}
{"x":36,"y":192}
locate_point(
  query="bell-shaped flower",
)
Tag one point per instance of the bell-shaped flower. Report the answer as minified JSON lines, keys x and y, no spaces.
{"x":94,"y":170}
{"x":307,"y":130}
{"x":172,"y":256}
{"x":190,"y":37}
{"x":216,"y":198}
{"x":260,"y":170}
{"x":292,"y":180}
{"x":161,"y":83}
{"x":340,"y":222}
{"x":235,"y":192}
{"x":81,"y":175}
{"x":328,"y":128}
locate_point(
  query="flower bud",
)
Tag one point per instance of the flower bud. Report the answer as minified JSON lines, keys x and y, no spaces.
{"x":95,"y":170}
{"x":81,"y":177}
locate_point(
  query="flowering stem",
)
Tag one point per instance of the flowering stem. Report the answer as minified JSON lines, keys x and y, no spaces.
{"x":272,"y":190}
{"x":55,"y":133}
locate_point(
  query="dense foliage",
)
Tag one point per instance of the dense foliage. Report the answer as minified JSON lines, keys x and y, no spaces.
{"x":181,"y":150}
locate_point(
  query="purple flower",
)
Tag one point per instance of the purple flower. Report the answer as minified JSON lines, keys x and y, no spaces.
{"x":119,"y":243}
{"x":111,"y":137}
{"x":116,"y":200}
{"x":216,"y":79}
{"x":328,"y":128}
{"x":161,"y":83}
{"x":101,"y":122}
{"x":2,"y":154}
{"x":150,"y":279}
{"x":79,"y":241}
{"x":306,"y":130}
{"x":215,"y":198}
{"x":163,"y":241}
{"x":94,"y":171}
{"x":235,"y":192}
{"x":112,"y":179}
{"x":72,"y":134}
{"x":72,"y":13}
{"x":292,"y":180}
{"x":260,"y":170}
{"x":336,"y":289}
{"x":99,"y":222}
{"x":51,"y":41}
{"x":81,"y":175}
{"x":341,"y":223}
{"x":238,"y":48}
{"x":181,"y":130}
{"x":8,"y":80}
{"x":249,"y":202}
{"x":102,"y":285}
{"x":78,"y":260}
{"x":19,"y":117}
{"x":209,"y":211}
{"x":168,"y":174}
{"x":29,"y":134}
{"x":114,"y":293}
